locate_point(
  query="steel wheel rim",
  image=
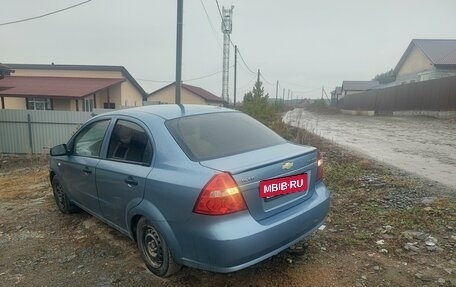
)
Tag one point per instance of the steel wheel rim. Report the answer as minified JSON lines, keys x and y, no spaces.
{"x":152,"y":246}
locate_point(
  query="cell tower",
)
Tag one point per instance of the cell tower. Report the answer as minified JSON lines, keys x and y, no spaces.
{"x":227,"y":15}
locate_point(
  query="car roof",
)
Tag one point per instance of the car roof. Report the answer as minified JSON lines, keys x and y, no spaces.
{"x":170,"y":111}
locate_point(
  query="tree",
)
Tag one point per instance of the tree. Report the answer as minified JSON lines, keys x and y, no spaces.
{"x":256,"y":104}
{"x":385,"y":78}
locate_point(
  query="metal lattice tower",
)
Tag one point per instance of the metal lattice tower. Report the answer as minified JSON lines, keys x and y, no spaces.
{"x":227,"y":15}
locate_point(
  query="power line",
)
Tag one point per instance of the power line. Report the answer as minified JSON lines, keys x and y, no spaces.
{"x":203,"y":77}
{"x":210,"y":23}
{"x":44,"y":15}
{"x":262,"y":76}
{"x":220,"y":12}
{"x":185,"y":80}
{"x":247,"y":66}
{"x":206,"y":76}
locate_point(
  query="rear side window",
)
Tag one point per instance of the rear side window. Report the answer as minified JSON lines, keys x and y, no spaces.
{"x":130,"y":142}
{"x":210,"y":136}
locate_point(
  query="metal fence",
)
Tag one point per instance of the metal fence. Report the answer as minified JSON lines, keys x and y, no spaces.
{"x":432,"y":95}
{"x":27,"y":131}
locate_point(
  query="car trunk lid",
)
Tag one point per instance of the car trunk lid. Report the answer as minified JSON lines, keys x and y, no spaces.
{"x":250,"y":168}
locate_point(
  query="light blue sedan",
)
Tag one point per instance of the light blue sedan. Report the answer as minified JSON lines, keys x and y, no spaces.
{"x":200,"y":186}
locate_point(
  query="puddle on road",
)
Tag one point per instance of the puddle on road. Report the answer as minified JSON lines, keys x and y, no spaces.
{"x":420,"y":145}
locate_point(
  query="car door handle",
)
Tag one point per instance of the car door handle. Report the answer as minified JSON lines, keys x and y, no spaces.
{"x":86,"y":170}
{"x":131,"y":181}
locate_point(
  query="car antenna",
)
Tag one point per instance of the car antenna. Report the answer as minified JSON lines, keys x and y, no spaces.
{"x":182,"y":108}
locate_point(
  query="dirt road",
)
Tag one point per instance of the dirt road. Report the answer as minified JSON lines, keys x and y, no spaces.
{"x":420,"y":145}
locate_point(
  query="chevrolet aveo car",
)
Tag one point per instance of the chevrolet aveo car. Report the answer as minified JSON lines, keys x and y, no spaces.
{"x":200,"y":186}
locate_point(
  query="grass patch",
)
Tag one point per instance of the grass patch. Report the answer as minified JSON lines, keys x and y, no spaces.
{"x":345,"y":176}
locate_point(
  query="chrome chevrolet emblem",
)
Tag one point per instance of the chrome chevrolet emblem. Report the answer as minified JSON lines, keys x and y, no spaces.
{"x":287,"y":165}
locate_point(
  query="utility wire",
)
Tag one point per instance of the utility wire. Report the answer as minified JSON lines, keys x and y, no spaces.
{"x":203,"y":77}
{"x":220,"y":12}
{"x":210,"y":23}
{"x":247,"y":66}
{"x":44,"y":15}
{"x":206,"y":76}
{"x":186,"y":80}
{"x":268,"y":82}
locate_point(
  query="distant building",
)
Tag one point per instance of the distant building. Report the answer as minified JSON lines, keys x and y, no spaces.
{"x":336,"y":95}
{"x":69,"y":88}
{"x":189,"y":95}
{"x":354,"y":87}
{"x":426,"y":59}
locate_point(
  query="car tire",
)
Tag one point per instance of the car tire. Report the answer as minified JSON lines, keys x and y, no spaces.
{"x":61,"y":198}
{"x":154,"y":250}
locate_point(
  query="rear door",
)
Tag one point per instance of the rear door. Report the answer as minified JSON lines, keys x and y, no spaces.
{"x":122,"y":175}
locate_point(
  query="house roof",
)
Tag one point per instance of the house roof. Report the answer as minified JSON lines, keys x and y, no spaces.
{"x":438,"y":51}
{"x":203,"y":93}
{"x":206,"y":95}
{"x":358,"y":85}
{"x":338,"y":90}
{"x":25,"y":86}
{"x":121,"y":69}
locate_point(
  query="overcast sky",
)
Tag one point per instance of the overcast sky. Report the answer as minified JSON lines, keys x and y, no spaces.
{"x":303,"y":44}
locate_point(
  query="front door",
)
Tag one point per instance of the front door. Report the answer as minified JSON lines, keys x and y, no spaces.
{"x":79,"y":168}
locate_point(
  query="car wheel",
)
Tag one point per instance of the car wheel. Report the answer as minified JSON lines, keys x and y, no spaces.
{"x":61,"y":198}
{"x":154,"y":250}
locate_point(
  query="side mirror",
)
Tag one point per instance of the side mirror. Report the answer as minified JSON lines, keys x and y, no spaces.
{"x":60,"y":149}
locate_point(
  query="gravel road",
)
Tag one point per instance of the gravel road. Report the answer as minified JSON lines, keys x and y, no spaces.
{"x":421,"y":145}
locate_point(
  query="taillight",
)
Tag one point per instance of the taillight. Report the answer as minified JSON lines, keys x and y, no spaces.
{"x":319,"y":166}
{"x":220,"y":196}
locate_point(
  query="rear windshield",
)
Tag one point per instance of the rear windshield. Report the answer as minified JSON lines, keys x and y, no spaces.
{"x":210,"y":136}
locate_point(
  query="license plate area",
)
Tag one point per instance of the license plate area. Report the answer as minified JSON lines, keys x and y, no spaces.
{"x":283,"y":185}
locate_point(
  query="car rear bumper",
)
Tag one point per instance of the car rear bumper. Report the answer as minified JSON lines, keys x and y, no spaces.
{"x":240,"y":241}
